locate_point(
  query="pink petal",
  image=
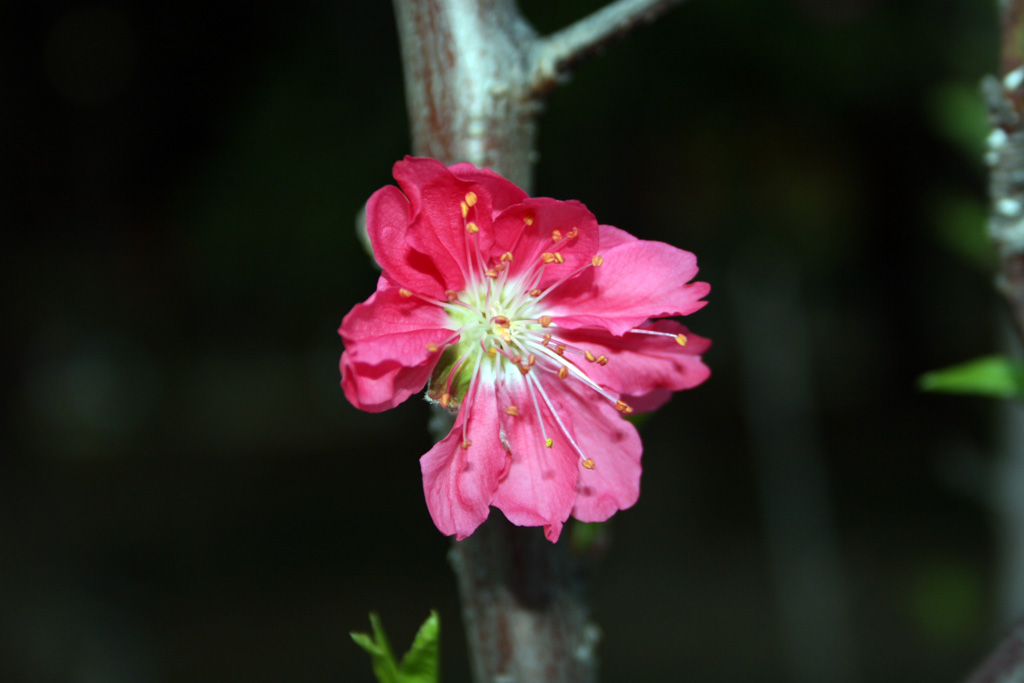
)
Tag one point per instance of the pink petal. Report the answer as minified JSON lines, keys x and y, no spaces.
{"x":614,"y":446}
{"x":459,"y":482}
{"x":612,"y":237}
{"x":388,"y":216}
{"x":539,"y":489}
{"x":640,"y":363}
{"x":504,"y":193}
{"x":438,"y":227}
{"x":386,"y":359}
{"x":551,"y":224}
{"x":638,"y":280}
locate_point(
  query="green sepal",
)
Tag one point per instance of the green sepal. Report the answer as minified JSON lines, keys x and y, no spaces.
{"x":994,"y":376}
{"x":421,"y":664}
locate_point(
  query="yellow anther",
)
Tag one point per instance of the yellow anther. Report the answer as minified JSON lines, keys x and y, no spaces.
{"x":588,"y":463}
{"x":446,"y":398}
{"x":492,"y":352}
{"x":472,"y":228}
{"x":560,"y":349}
{"x":405,"y":293}
{"x":471,"y":198}
{"x":536,"y":292}
{"x":492,"y":273}
{"x":512,"y":410}
{"x":602,"y":360}
{"x":681,"y":339}
{"x":589,"y":356}
{"x":573,"y":233}
{"x":451,"y":294}
{"x":556,"y":235}
{"x":596,"y":261}
{"x":431,"y":346}
{"x":548,"y":442}
{"x":505,"y":336}
{"x":523,"y":369}
{"x":528,"y":219}
{"x":545,"y":339}
{"x":559,"y":258}
{"x":516,"y":358}
{"x":507,"y":256}
{"x":465,"y":209}
{"x":501,"y":320}
{"x":544,"y":320}
{"x":547,"y":257}
{"x":530,"y":360}
{"x":563,"y":372}
{"x":623,"y":407}
{"x":466,"y":444}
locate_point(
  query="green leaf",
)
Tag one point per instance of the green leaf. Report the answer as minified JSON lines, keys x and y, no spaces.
{"x":421,"y":664}
{"x":995,"y":376}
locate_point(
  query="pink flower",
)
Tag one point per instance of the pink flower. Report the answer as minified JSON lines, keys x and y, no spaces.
{"x":536,"y":326}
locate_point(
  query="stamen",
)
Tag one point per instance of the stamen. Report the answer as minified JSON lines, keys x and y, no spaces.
{"x":573,"y":233}
{"x":596,"y":261}
{"x":558,"y":420}
{"x":512,"y":410}
{"x":536,"y":292}
{"x":623,"y":407}
{"x":549,"y":442}
{"x":563,"y":372}
{"x":446,"y":398}
{"x":465,"y":209}
{"x":471,"y":198}
{"x":544,"y":320}
{"x":588,"y":463}
{"x":501,"y":320}
{"x":466,"y":444}
{"x":556,"y":236}
{"x":602,"y":360}
{"x":404,"y":293}
{"x":547,"y":257}
{"x":589,"y":356}
{"x":472,"y":228}
{"x":681,"y":339}
{"x":528,"y":219}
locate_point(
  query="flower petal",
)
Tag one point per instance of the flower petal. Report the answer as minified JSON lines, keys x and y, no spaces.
{"x":388,"y":216}
{"x":539,"y":489}
{"x":459,"y":482}
{"x":451,"y":217}
{"x":386,"y":359}
{"x":541,"y":226}
{"x":614,"y":445}
{"x":504,"y":193}
{"x":640,"y":363}
{"x":637,"y":280}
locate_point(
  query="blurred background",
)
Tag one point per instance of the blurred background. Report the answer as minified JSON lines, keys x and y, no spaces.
{"x":185,"y":494}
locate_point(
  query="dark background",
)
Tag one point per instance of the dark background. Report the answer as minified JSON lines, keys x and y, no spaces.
{"x":185,"y":494}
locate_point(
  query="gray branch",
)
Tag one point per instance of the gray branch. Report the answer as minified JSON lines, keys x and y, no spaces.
{"x":554,"y":55}
{"x":475,"y":73}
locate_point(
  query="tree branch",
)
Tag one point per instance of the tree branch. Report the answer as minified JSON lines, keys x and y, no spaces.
{"x":555,"y":55}
{"x":1006,"y":663}
{"x":475,"y":72}
{"x":1004,"y":97}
